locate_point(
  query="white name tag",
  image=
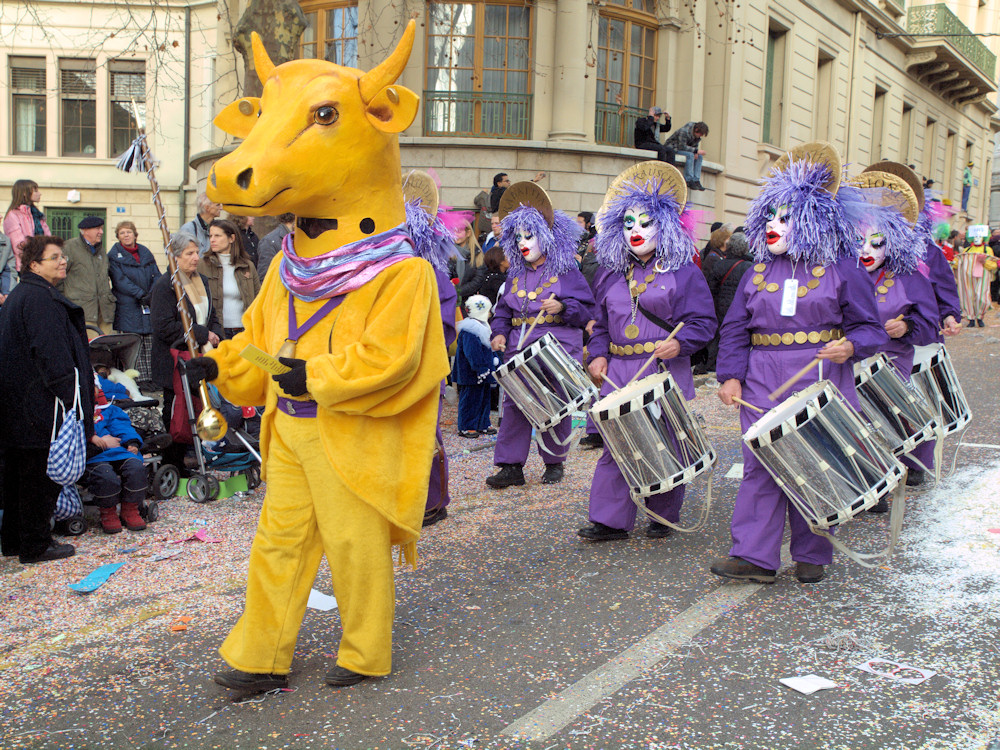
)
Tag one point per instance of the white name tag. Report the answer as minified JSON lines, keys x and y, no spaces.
{"x":790,"y":297}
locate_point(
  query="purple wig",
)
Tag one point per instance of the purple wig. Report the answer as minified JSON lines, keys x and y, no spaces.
{"x":674,"y":243}
{"x":872,"y":209}
{"x":558,"y":243}
{"x":431,"y":238}
{"x":818,"y":233}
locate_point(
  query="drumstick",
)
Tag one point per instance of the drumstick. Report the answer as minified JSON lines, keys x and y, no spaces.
{"x":792,"y":380}
{"x":539,"y":316}
{"x":741,"y":402}
{"x":653,"y":356}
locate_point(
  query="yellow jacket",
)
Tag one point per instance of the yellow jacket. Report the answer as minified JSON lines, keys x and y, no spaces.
{"x":374,"y":366}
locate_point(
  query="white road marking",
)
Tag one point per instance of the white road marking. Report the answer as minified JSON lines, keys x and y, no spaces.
{"x":979,"y":445}
{"x":556,"y":713}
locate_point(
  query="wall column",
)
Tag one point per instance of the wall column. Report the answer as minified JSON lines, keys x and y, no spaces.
{"x":569,"y":110}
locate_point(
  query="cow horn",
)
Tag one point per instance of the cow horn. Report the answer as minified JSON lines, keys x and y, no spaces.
{"x":387,"y":71}
{"x":261,"y":62}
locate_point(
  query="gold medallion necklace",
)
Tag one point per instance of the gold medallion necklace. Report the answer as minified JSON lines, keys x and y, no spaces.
{"x":635,"y":289}
{"x":758,"y":280}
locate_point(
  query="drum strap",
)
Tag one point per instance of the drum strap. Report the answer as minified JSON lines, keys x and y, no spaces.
{"x":655,"y":319}
{"x":702,"y":517}
{"x":895,"y":526}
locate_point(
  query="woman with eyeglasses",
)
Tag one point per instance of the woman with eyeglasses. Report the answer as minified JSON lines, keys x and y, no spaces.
{"x":43,"y":341}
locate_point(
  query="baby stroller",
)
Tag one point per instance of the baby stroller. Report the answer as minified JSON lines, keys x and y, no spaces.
{"x":112,"y":356}
{"x":235,"y":453}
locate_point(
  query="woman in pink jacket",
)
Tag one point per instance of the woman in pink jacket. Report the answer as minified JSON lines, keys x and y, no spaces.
{"x":24,"y":219}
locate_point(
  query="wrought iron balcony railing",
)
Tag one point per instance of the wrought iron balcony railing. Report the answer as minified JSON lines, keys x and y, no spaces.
{"x":938,"y":19}
{"x":477,"y":114}
{"x":615,"y":124}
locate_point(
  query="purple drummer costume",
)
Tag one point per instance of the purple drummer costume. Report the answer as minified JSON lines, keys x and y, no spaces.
{"x":433,"y":243}
{"x":762,"y":348}
{"x":670,"y":287}
{"x":516,"y":310}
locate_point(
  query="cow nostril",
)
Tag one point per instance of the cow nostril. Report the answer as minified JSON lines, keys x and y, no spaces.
{"x":243,"y":178}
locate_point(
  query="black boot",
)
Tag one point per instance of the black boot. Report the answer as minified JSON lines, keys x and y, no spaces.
{"x":657,"y":530}
{"x":251,"y":682}
{"x":510,"y":475}
{"x":434,"y":515}
{"x":598,"y":532}
{"x":553,"y":474}
{"x":914,"y":478}
{"x":882,"y":506}
{"x":343,"y":677}
{"x":590,"y":442}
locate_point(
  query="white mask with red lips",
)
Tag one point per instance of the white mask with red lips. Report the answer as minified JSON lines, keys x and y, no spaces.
{"x":641,"y":232}
{"x":527,"y":245}
{"x":777,"y":227}
{"x":872,"y":253}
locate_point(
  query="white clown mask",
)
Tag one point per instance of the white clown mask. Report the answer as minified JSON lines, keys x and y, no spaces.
{"x":527,"y":245}
{"x":778,"y":225}
{"x":641,"y":232}
{"x":872,"y":253}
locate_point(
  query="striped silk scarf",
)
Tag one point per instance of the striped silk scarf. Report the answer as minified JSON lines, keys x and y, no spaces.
{"x":345,"y":268}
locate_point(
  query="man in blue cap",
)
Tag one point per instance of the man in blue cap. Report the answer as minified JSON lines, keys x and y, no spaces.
{"x":87,"y":282}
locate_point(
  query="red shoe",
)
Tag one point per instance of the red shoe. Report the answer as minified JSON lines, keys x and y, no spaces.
{"x":109,"y":521}
{"x":131,"y":518}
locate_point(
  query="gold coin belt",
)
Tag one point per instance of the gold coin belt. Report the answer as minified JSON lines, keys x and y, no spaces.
{"x":758,"y":280}
{"x":635,"y":288}
{"x":648,"y":347}
{"x":542,"y":319}
{"x":799,"y":337}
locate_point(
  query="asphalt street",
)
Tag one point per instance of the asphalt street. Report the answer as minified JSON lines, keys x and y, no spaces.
{"x":515,"y":633}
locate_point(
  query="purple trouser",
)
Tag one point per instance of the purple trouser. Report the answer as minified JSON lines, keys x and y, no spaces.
{"x":514,"y":438}
{"x":611,"y":502}
{"x":923,"y":453}
{"x":435,"y":497}
{"x":759,"y":518}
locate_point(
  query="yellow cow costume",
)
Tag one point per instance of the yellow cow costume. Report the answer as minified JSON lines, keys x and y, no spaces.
{"x":350,"y":481}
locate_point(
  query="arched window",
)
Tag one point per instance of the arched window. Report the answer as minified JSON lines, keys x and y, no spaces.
{"x":626,"y":68}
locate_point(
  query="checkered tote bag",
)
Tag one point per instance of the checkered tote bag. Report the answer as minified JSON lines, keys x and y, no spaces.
{"x":68,"y":444}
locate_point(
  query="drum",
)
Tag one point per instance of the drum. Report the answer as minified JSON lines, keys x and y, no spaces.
{"x":894,"y":407}
{"x":827,"y":461}
{"x":934,"y":376}
{"x":652,"y":435}
{"x":546,"y":383}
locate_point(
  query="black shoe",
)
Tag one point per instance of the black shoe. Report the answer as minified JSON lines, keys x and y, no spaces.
{"x":510,"y":475}
{"x":981,"y":323}
{"x":691,"y":184}
{"x":657,"y":530}
{"x":972,"y":324}
{"x":553,"y":474}
{"x":55,"y":551}
{"x":249,"y":682}
{"x":431,"y":517}
{"x":915,"y":478}
{"x":741,"y":570}
{"x":590,"y":442}
{"x":342,"y":677}
{"x":882,"y":506}
{"x":808,"y":572}
{"x":598,"y":532}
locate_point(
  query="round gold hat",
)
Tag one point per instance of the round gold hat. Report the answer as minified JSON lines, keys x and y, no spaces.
{"x":670,"y":178}
{"x":907,"y":174}
{"x":526,"y":194}
{"x":820,"y":152}
{"x":900,"y":195}
{"x":419,"y":184}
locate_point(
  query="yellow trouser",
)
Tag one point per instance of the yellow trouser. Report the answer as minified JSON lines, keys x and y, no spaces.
{"x":308,"y":512}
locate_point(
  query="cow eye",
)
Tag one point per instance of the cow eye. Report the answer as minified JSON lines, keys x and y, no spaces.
{"x":326,"y":115}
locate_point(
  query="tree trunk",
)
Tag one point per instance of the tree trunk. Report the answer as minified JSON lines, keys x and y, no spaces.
{"x":280,"y":24}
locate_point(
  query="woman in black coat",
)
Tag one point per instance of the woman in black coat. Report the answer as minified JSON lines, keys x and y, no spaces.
{"x":43,"y":339}
{"x":168,"y":332}
{"x":133,"y":270}
{"x":496,"y":266}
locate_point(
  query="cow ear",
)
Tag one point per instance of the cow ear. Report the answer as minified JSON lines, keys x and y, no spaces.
{"x":239,"y":117}
{"x":392,"y":109}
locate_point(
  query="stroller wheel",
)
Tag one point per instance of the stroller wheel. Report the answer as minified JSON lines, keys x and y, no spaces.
{"x":151,"y":510}
{"x":200,"y":488}
{"x":75,"y":526}
{"x":213,"y":487}
{"x":165,"y":481}
{"x":253,"y":477}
